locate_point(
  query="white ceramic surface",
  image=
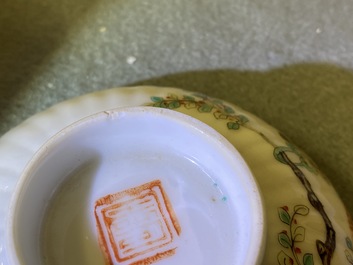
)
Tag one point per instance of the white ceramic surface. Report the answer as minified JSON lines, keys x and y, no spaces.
{"x":214,"y":197}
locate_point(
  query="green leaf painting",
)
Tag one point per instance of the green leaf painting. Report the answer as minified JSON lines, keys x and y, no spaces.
{"x":308,"y":259}
{"x":202,"y":104}
{"x":156,"y":99}
{"x":174,"y":104}
{"x":205,"y":108}
{"x":292,"y":236}
{"x":349,"y":243}
{"x":233,"y":125}
{"x":349,"y":251}
{"x":284,"y":240}
{"x":284,"y":215}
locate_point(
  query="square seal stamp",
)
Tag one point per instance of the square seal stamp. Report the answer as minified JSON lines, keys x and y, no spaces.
{"x":137,"y":225}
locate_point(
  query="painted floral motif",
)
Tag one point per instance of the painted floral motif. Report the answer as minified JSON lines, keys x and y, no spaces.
{"x":292,"y":149}
{"x":349,"y":251}
{"x":203,"y":104}
{"x":291,"y":237}
{"x":327,"y":248}
{"x":288,"y":239}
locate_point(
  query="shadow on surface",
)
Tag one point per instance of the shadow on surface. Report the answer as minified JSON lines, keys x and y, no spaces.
{"x":30,"y":32}
{"x":74,"y":220}
{"x":309,"y":103}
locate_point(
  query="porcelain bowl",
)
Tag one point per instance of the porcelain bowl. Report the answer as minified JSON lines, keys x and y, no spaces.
{"x":305,"y":220}
{"x":136,"y":185}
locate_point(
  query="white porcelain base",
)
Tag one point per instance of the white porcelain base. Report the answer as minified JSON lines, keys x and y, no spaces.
{"x":141,"y":184}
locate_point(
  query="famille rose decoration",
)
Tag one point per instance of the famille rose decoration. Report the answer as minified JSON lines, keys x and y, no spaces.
{"x":152,"y":175}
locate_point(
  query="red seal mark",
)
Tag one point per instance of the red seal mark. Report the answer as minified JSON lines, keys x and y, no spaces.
{"x":137,"y":226}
